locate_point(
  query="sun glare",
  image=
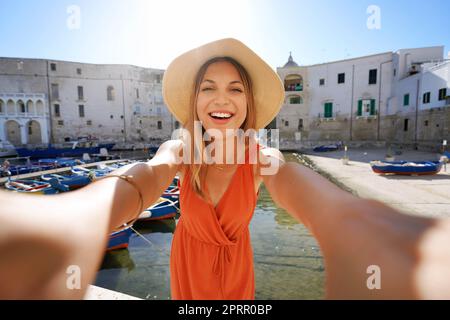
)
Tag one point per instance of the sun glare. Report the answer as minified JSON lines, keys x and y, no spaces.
{"x":179,"y":25}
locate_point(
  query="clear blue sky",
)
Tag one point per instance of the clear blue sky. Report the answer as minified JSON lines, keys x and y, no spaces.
{"x":151,"y":33}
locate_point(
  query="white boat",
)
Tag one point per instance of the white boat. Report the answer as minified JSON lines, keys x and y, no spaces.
{"x":7,"y":149}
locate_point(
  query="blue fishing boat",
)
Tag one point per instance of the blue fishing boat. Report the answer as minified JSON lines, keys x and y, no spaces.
{"x":176,"y":181}
{"x":330,"y":147}
{"x":119,"y":239}
{"x":172,"y":193}
{"x":59,"y":162}
{"x":20,"y":165}
{"x":73,"y":181}
{"x":90,"y":173}
{"x":30,"y":186}
{"x":163,"y":209}
{"x":17,"y":169}
{"x":406,"y":167}
{"x":69,"y":149}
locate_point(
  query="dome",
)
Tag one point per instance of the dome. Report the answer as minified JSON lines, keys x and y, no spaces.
{"x":291,"y":62}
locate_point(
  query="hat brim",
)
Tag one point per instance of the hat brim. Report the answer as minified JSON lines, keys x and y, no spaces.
{"x":179,"y":78}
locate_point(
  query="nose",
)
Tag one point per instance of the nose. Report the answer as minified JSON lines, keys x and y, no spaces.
{"x":221,"y":99}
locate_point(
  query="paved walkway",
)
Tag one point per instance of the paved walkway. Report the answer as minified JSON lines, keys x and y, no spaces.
{"x":421,"y":195}
{"x":97,"y":293}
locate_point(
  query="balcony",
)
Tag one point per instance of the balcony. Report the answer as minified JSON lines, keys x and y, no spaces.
{"x":366,"y":115}
{"x":293,"y":87}
{"x":327,"y":116}
{"x":293,"y":82}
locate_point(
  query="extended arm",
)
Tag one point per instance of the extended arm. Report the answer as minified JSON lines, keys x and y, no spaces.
{"x":43,"y":237}
{"x":361,"y":239}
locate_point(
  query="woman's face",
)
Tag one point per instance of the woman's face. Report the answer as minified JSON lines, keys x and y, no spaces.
{"x":221,"y":102}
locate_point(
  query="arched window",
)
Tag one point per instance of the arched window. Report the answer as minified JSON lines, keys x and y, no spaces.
{"x":13,"y":133}
{"x":2,"y":106}
{"x":40,"y":107}
{"x":10,"y":107}
{"x":110,"y":93}
{"x":34,"y":132}
{"x":29,"y":107}
{"x":21,"y":106}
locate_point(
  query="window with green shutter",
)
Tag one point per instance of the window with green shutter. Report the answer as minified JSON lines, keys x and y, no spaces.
{"x":328,"y":110}
{"x":406,"y":100}
{"x":366,"y":107}
{"x":372,"y":107}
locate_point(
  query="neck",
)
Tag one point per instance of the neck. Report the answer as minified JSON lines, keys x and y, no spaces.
{"x":226,"y":152}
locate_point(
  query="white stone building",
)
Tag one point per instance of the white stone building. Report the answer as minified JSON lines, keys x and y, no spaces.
{"x":352,"y":99}
{"x":45,"y":101}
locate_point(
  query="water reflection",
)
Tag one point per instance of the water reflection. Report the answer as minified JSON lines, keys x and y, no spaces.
{"x":163,"y":226}
{"x":288,"y":262}
{"x":118,"y":259}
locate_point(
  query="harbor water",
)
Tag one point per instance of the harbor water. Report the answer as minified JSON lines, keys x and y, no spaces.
{"x":288,"y":261}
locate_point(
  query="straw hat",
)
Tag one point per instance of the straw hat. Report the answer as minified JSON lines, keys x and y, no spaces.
{"x":179,"y":78}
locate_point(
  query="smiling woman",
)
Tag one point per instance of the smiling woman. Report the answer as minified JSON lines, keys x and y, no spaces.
{"x":211,"y":254}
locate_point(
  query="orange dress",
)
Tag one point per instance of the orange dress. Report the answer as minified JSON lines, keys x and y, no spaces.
{"x":211,"y":255}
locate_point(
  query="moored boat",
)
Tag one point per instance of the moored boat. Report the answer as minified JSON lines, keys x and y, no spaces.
{"x":331,"y":147}
{"x":59,"y":162}
{"x":172,"y":193}
{"x":163,"y":209}
{"x":30,"y":186}
{"x":68,"y":149}
{"x":406,"y":167}
{"x":90,"y":173}
{"x":119,"y":239}
{"x":73,"y":181}
{"x":20,"y":165}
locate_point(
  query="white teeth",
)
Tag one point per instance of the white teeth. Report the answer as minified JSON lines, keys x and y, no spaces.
{"x":221,"y":115}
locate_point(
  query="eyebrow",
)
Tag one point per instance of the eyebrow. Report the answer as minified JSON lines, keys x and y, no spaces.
{"x":232,"y":82}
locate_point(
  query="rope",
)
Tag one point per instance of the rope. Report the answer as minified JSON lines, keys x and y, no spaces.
{"x":148,"y":241}
{"x":161,"y":199}
{"x":174,"y":203}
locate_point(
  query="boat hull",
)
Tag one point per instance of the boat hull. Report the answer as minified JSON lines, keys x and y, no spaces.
{"x":402,"y":167}
{"x":52,"y":152}
{"x":30,"y":187}
{"x":73,"y":181}
{"x":325,"y":148}
{"x":163,"y":210}
{"x":119,"y":240}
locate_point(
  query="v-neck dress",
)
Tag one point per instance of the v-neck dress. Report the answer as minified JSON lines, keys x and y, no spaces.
{"x":211,"y":255}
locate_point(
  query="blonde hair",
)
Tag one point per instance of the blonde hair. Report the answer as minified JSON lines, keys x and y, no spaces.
{"x":197,"y":171}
